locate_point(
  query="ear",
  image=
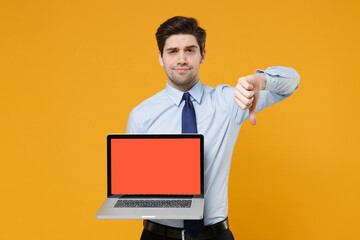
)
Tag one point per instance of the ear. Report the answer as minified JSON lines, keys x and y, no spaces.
{"x":161,"y":60}
{"x":203,"y":55}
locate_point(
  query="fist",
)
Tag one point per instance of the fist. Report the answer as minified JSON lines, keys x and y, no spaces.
{"x":247,"y":93}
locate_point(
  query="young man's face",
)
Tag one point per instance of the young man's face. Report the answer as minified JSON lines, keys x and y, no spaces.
{"x":181,"y":59}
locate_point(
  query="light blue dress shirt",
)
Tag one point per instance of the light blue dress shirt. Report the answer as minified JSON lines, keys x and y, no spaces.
{"x":219,"y":119}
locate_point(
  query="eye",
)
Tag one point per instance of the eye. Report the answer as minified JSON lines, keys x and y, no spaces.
{"x":172,"y":51}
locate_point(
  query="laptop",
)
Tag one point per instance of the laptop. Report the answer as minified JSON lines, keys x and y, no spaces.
{"x":154,"y":176}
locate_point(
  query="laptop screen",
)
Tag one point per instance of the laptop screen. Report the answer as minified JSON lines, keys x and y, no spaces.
{"x":156,"y":165}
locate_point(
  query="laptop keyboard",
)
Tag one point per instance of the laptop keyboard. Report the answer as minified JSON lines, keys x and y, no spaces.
{"x":153,"y":204}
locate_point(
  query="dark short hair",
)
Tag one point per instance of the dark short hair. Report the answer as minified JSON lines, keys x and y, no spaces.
{"x":180,"y":25}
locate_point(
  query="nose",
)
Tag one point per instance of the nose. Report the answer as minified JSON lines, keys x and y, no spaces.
{"x":182,"y":58}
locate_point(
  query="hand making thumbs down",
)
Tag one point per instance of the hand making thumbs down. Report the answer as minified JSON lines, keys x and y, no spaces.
{"x":247,"y":93}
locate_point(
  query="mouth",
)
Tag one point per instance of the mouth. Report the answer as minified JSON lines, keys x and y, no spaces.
{"x":182,"y":69}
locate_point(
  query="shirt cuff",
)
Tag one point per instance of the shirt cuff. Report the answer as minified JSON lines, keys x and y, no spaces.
{"x":270,"y":80}
{"x":273,"y":76}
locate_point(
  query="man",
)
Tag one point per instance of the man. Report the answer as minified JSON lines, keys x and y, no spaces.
{"x":218,"y":114}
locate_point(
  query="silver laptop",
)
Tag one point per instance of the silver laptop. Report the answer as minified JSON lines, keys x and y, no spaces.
{"x":154,"y":177}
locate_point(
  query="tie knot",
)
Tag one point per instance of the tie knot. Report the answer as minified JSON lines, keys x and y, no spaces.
{"x":186,"y":96}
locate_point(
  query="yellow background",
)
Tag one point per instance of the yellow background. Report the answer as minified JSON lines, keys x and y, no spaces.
{"x":71,"y":71}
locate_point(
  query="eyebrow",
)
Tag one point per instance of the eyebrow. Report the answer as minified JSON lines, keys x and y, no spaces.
{"x":187,"y":47}
{"x":191,"y":46}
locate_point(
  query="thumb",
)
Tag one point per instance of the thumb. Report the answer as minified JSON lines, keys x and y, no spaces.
{"x":252,"y":116}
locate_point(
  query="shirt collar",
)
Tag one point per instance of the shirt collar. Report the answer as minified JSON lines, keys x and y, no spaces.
{"x":176,"y":95}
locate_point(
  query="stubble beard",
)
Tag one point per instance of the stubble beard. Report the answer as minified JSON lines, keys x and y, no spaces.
{"x":188,"y":81}
{"x":179,"y":81}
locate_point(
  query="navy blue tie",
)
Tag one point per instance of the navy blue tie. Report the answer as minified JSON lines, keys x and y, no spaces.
{"x":188,"y":116}
{"x":188,"y":120}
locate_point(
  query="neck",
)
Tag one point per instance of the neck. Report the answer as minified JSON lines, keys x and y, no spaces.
{"x":183,"y":88}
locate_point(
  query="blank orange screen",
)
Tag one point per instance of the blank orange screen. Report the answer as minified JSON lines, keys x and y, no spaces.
{"x":155,"y":166}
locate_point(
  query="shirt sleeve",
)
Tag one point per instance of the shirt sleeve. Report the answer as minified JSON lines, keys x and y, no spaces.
{"x":281,"y":83}
{"x":132,"y":127}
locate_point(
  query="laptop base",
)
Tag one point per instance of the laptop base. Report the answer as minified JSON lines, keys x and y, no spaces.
{"x":107,"y":211}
